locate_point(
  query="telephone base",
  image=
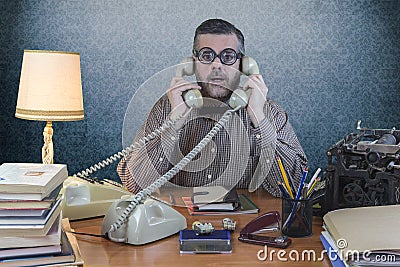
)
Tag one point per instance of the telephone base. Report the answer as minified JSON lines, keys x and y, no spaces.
{"x":84,"y":199}
{"x":149,"y":221}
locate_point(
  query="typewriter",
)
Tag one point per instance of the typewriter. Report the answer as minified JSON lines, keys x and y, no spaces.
{"x":363,"y":169}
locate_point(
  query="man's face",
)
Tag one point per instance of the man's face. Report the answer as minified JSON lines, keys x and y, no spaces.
{"x":217,"y":80}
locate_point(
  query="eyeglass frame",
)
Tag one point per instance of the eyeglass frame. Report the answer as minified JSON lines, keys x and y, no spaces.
{"x":238,"y":55}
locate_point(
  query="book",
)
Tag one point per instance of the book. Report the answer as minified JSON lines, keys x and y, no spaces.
{"x":26,"y":204}
{"x":29,"y":220}
{"x":74,"y":243}
{"x":14,"y":230}
{"x":376,"y":258}
{"x":29,"y":251}
{"x":51,"y":238}
{"x":33,"y":211}
{"x":70,"y":253}
{"x":364,"y":229}
{"x":22,"y":212}
{"x":246,"y":207}
{"x":215,"y":198}
{"x":30,"y":181}
{"x":65,"y":256}
{"x":333,"y":256}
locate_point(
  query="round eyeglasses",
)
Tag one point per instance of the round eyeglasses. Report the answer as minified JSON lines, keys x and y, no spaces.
{"x":228,"y":56}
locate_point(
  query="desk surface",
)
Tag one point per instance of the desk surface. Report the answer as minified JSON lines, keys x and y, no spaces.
{"x":98,"y":251}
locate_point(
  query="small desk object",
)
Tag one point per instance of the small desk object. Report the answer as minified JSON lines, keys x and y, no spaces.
{"x":266,"y":222}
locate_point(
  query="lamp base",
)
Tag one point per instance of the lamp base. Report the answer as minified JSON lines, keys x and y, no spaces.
{"x":47,"y":149}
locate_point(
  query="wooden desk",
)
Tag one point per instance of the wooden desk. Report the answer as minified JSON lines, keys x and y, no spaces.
{"x":98,"y":251}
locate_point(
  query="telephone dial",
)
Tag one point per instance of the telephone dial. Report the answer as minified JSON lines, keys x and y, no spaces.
{"x":137,"y":219}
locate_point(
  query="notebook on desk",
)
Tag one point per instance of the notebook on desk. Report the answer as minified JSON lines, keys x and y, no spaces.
{"x":373,"y":229}
{"x":246,"y":207}
{"x":215,"y":198}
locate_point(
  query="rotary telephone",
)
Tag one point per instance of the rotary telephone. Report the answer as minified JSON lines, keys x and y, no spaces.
{"x":137,"y":219}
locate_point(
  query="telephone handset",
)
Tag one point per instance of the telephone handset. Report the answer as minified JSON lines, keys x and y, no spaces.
{"x":192,"y":97}
{"x":239,"y":97}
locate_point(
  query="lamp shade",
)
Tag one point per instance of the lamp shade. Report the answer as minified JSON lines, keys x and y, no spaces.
{"x":50,"y":87}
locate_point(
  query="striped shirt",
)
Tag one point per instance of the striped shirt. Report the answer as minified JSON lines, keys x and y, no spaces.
{"x":238,"y":155}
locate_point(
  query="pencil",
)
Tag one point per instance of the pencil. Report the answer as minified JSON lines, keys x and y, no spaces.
{"x":311,"y":189}
{"x":289,"y":220}
{"x":285,"y":179}
{"x":282,"y":187}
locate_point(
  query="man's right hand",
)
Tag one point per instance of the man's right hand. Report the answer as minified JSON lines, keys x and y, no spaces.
{"x":175,"y":96}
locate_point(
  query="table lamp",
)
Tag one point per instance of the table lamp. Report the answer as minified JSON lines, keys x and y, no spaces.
{"x":50,"y":89}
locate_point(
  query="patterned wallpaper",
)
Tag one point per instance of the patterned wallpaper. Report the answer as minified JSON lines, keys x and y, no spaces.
{"x":329,"y":63}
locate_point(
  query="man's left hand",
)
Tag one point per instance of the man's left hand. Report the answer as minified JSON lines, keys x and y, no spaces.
{"x":257,"y":99}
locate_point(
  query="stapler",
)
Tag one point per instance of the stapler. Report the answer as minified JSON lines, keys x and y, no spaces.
{"x":265,"y":222}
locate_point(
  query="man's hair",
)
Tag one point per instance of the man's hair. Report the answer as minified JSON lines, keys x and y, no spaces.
{"x":218,"y":26}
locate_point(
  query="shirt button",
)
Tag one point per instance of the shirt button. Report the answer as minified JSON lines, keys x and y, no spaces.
{"x":213,"y":150}
{"x":258,"y":136}
{"x":172,"y":138}
{"x":209,"y":176}
{"x":267,"y":161}
{"x":161,"y":159}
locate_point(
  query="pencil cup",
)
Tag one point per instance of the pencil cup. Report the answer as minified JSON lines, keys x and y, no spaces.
{"x":297,"y":217}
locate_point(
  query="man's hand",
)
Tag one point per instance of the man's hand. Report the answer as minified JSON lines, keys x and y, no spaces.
{"x":174,"y":92}
{"x":258,"y":97}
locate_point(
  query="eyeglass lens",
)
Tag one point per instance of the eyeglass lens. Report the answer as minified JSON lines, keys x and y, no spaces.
{"x":227,"y":56}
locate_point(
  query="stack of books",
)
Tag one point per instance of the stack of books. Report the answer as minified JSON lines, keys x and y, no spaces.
{"x":363,"y":236}
{"x":30,"y":215}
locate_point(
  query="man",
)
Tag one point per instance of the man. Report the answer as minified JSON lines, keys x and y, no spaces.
{"x":244,"y":152}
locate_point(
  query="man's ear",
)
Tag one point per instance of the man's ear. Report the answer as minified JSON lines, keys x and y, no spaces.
{"x":194,"y":63}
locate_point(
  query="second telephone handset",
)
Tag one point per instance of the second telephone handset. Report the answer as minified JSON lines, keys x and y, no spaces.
{"x":239,"y":97}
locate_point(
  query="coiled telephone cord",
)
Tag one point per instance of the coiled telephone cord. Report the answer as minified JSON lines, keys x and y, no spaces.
{"x":171,"y":173}
{"x":138,"y":144}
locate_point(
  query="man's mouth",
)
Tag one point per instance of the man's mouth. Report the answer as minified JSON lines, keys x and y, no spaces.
{"x":217,"y":80}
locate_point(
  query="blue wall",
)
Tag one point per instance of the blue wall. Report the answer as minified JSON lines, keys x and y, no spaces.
{"x":329,"y":63}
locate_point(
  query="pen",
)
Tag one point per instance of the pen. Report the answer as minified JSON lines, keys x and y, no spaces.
{"x":314,"y":177}
{"x":288,"y":221}
{"x":303,"y":178}
{"x":312,"y":187}
{"x":285,"y":179}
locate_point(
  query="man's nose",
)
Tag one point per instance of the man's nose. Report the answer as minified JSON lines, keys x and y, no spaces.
{"x":216,"y":64}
